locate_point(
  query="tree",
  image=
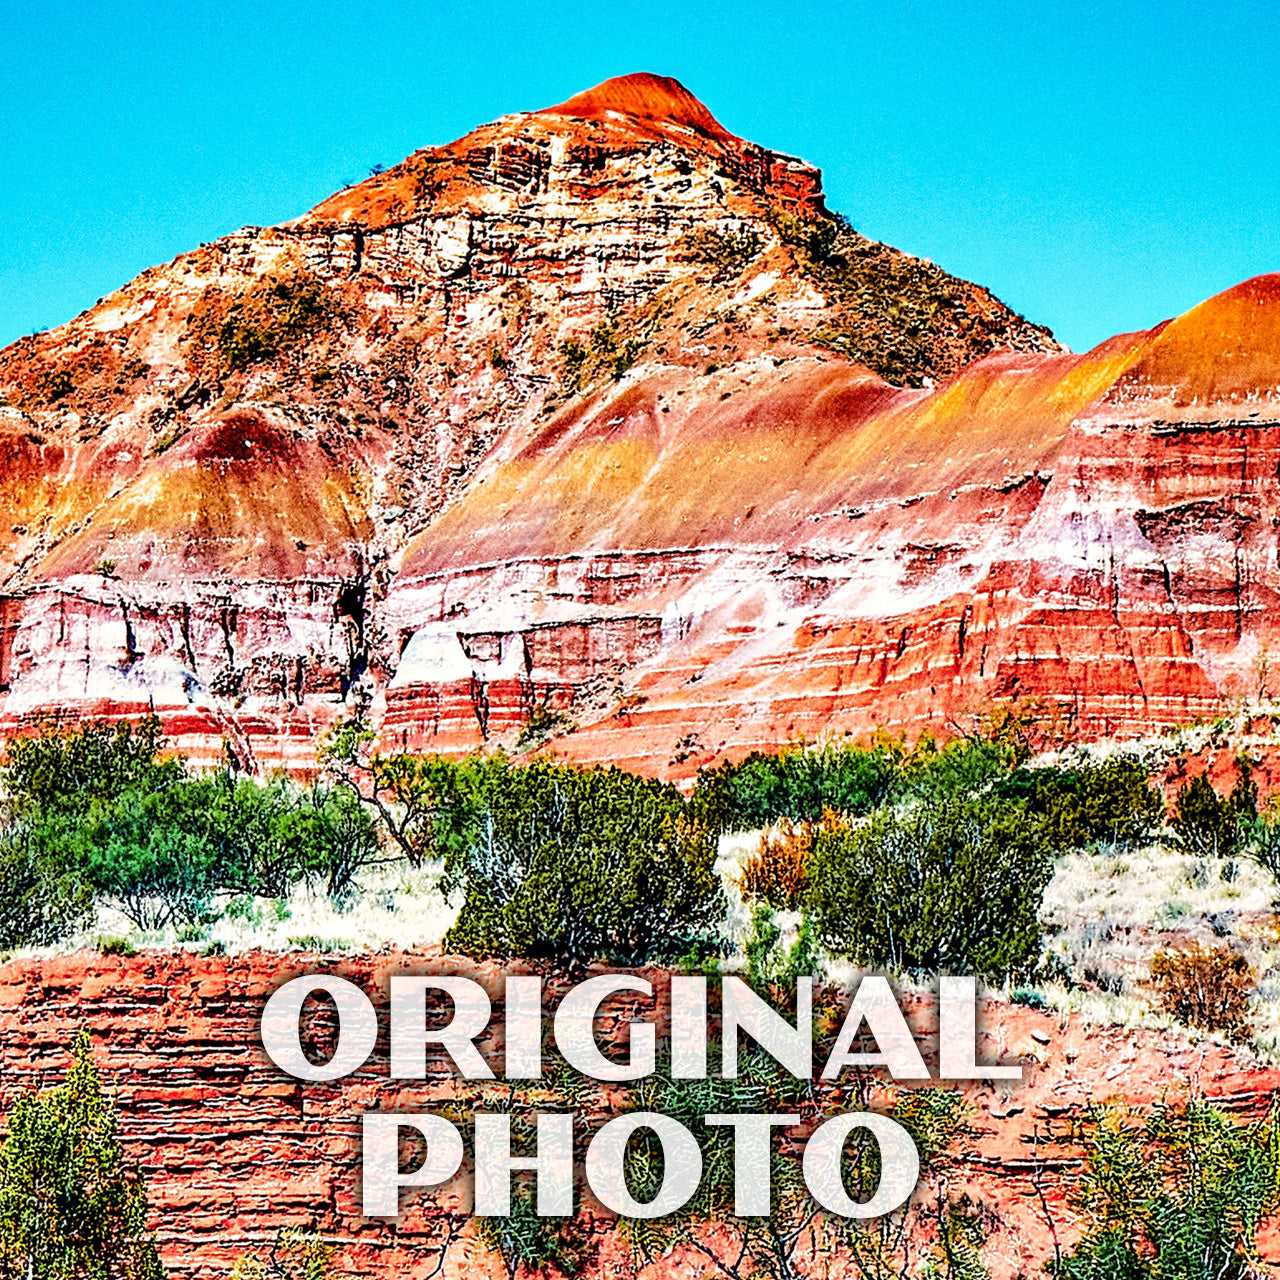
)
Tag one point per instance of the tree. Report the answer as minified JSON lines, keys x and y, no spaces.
{"x":424,"y":803}
{"x":70,"y":1207}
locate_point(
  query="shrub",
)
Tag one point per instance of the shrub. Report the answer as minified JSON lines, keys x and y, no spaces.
{"x":956,"y":887}
{"x":1205,"y":987}
{"x":730,"y":250}
{"x":70,"y":1207}
{"x":540,"y":723}
{"x":575,"y":865}
{"x":157,"y":864}
{"x":1179,"y":1194}
{"x":101,"y":807}
{"x":797,"y":785}
{"x":68,"y":771}
{"x":769,"y":964}
{"x":1113,"y":801}
{"x":817,"y":237}
{"x":960,"y":768}
{"x":295,"y":1254}
{"x":43,"y":896}
{"x":776,"y":873}
{"x":1205,"y":824}
{"x":1260,"y":840}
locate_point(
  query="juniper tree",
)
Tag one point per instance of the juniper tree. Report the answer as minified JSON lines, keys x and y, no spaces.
{"x":71,"y":1208}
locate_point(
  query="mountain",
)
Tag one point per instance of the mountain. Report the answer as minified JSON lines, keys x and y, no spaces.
{"x":599,"y":410}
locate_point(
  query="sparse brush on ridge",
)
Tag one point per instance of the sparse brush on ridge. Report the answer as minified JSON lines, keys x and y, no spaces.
{"x":272,"y":315}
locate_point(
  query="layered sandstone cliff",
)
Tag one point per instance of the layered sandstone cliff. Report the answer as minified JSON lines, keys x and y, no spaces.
{"x":232,"y":1149}
{"x":598,"y":408}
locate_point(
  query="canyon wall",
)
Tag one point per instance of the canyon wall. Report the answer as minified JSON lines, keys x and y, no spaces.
{"x":232,"y":1149}
{"x":598,"y":409}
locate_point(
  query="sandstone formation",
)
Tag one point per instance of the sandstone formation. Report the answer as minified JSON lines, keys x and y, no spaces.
{"x":599,"y":409}
{"x":232,"y":1149}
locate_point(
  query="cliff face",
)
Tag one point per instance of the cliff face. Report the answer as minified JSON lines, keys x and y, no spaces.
{"x":232,"y":1149}
{"x":598,"y":407}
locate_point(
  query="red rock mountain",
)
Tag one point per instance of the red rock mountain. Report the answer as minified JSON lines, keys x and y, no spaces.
{"x":600,"y":408}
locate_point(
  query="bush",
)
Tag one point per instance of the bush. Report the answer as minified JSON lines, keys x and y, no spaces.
{"x":272,"y":315}
{"x":729,"y":250}
{"x":1179,"y":1194}
{"x":1112,"y":802}
{"x":1203,"y":987}
{"x":768,"y":963}
{"x":540,"y":723}
{"x":574,"y":865}
{"x":68,"y":771}
{"x":776,"y":873}
{"x":961,"y":768}
{"x":294,"y":1255}
{"x":952,"y":888}
{"x":43,"y":897}
{"x":796,"y":785}
{"x":1205,"y":824}
{"x":70,"y":1207}
{"x":100,"y":808}
{"x":1260,"y":840}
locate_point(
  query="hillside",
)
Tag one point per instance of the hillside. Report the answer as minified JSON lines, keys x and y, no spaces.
{"x":599,"y":409}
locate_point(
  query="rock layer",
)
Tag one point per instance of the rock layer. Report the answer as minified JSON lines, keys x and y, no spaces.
{"x":232,"y":1149}
{"x":599,"y":408}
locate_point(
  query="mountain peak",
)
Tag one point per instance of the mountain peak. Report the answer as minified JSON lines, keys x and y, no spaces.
{"x":644,"y":96}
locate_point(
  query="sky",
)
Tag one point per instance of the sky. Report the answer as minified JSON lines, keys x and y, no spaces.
{"x":1100,"y":167}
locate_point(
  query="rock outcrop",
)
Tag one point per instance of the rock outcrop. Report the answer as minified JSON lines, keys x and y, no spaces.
{"x":232,"y":1149}
{"x":598,"y":408}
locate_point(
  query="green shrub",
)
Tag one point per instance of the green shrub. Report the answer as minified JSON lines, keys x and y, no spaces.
{"x":101,"y":808}
{"x":541,"y":722}
{"x":1205,"y":824}
{"x":960,"y":768}
{"x":1179,"y":1194}
{"x":70,"y":1207}
{"x":43,"y":895}
{"x":574,"y":865}
{"x":954,"y":887}
{"x":1114,"y":802}
{"x":768,"y":963}
{"x":730,"y":250}
{"x":68,"y":771}
{"x":295,"y":1254}
{"x":797,"y":785}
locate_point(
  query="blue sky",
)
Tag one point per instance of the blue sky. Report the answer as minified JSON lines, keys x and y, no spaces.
{"x":1100,"y":167}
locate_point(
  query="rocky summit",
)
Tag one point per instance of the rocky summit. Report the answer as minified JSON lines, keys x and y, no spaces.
{"x":597,"y":427}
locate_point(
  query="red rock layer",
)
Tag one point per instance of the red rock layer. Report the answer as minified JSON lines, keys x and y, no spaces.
{"x":1096,"y":532}
{"x":232,"y":1149}
{"x":351,"y":462}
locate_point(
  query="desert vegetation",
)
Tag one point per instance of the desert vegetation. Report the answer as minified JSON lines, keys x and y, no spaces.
{"x":1065,"y":876}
